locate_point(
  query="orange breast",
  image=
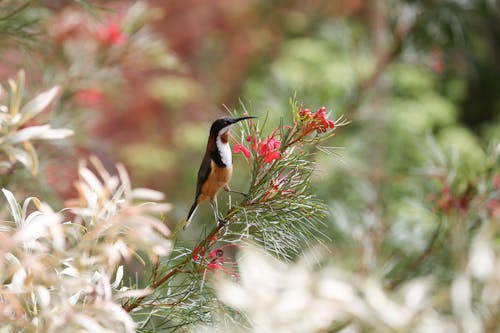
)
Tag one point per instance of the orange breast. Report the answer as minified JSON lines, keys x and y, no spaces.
{"x":218,"y":178}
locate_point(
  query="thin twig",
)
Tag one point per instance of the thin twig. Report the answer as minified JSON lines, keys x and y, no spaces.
{"x":167,"y":276}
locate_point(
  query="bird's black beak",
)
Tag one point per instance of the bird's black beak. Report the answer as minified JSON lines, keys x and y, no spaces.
{"x":235,"y":120}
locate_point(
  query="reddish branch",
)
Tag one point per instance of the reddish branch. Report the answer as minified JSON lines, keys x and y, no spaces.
{"x":207,"y":241}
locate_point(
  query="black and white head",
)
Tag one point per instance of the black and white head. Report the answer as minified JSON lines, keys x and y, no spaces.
{"x":222,"y":125}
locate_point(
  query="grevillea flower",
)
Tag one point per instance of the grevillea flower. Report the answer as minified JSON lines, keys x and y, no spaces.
{"x":305,"y":113}
{"x":239,"y":148}
{"x":111,"y":34}
{"x":322,"y":122}
{"x":199,"y":250}
{"x":220,"y":263}
{"x":269,"y":149}
{"x":317,"y":121}
{"x":215,"y":259}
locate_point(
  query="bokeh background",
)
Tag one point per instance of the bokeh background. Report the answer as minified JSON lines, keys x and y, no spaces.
{"x":412,"y":184}
{"x":142,"y":81}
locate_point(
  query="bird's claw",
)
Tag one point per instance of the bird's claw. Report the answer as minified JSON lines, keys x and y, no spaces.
{"x":221,"y":222}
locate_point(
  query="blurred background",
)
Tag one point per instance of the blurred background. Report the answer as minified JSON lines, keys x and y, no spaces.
{"x":412,"y":184}
{"x":142,"y":82}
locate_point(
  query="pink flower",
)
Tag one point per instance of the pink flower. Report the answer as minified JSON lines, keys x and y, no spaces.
{"x":111,"y":34}
{"x":239,"y":148}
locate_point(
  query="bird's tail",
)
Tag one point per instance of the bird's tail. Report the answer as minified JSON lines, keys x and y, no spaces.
{"x":192,"y":210}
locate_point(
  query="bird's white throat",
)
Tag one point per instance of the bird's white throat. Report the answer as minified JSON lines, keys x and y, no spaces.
{"x":225,"y":152}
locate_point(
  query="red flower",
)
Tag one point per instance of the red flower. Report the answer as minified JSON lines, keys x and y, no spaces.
{"x":216,"y":253}
{"x":322,"y":123}
{"x":239,"y":148}
{"x":437,"y":62}
{"x":199,"y":250}
{"x":271,"y":156}
{"x":305,"y":113}
{"x":220,"y":263}
{"x":317,"y":121}
{"x":269,"y":149}
{"x":111,"y":34}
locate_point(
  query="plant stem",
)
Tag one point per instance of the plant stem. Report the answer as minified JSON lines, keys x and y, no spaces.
{"x":131,"y":305}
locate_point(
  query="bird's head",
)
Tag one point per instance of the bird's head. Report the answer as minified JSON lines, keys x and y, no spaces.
{"x":222,"y":125}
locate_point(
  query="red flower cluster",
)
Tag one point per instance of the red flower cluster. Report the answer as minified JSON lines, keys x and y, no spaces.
{"x":111,"y":34}
{"x":216,"y":259}
{"x":199,"y":250}
{"x":316,"y":121}
{"x":269,"y":149}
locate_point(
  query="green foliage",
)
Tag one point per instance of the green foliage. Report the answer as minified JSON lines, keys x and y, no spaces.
{"x":18,"y":25}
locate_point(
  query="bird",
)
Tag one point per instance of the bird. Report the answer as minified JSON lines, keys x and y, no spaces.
{"x":216,"y":168}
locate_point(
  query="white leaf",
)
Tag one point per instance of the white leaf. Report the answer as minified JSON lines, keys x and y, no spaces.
{"x":27,"y":133}
{"x":147,"y":194}
{"x":43,"y":295}
{"x":42,"y":132}
{"x":26,"y":203}
{"x":70,"y":271}
{"x":118,"y":278}
{"x":91,"y":179}
{"x":89,"y":324}
{"x":38,"y":104}
{"x":19,"y":155}
{"x":56,"y":134}
{"x":133,"y":293}
{"x":15,"y":208}
{"x":482,"y":257}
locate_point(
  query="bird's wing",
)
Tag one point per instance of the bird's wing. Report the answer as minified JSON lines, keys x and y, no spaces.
{"x":203,"y":173}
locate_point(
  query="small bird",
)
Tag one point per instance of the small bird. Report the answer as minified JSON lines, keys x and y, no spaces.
{"x":216,"y":168}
